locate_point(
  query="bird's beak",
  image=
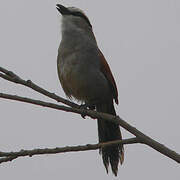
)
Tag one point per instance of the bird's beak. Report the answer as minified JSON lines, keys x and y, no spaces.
{"x":63,"y":10}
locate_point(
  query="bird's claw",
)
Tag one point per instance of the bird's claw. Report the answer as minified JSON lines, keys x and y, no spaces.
{"x":86,"y":107}
{"x":83,"y":107}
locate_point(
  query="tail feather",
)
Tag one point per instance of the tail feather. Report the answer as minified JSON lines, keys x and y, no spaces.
{"x":108,"y":131}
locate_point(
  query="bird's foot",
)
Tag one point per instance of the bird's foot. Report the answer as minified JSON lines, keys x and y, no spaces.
{"x":86,"y":106}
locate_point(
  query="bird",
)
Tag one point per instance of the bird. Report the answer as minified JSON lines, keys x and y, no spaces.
{"x":85,"y":75}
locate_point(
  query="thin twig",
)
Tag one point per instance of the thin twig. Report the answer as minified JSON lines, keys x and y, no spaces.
{"x":9,"y":156}
{"x":11,"y":76}
{"x":6,"y":159}
{"x":43,"y":103}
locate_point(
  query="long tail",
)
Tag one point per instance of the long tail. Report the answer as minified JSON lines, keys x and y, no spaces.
{"x":108,"y":131}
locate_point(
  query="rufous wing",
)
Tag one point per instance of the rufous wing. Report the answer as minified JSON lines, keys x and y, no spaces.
{"x":105,"y":69}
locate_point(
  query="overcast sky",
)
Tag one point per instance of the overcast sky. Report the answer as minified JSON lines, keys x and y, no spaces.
{"x":141,"y":42}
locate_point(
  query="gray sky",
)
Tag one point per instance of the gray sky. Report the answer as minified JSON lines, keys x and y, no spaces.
{"x":141,"y":42}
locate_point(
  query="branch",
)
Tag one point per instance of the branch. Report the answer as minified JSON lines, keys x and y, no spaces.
{"x":10,"y":76}
{"x":9,"y":156}
{"x":144,"y":139}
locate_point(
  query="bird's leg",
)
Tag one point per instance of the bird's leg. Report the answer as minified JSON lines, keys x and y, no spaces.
{"x":86,"y":106}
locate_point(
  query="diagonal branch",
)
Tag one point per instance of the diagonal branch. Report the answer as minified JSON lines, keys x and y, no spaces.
{"x":144,"y":139}
{"x":9,"y":156}
{"x":11,"y":76}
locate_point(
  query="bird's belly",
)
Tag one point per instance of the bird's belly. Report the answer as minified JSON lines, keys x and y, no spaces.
{"x":74,"y":85}
{"x":83,"y":84}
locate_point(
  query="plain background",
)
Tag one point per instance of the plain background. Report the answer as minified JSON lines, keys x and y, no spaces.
{"x":141,"y":42}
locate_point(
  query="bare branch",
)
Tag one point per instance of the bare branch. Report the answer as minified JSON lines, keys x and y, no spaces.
{"x":144,"y":139}
{"x":44,"y":104}
{"x":9,"y":156}
{"x":10,"y":76}
{"x":6,"y":159}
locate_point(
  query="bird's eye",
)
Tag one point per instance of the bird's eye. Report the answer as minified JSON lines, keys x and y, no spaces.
{"x":79,"y":14}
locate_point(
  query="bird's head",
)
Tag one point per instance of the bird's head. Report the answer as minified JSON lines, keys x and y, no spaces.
{"x":74,"y":16}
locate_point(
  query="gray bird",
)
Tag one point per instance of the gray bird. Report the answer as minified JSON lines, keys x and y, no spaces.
{"x":85,"y":75}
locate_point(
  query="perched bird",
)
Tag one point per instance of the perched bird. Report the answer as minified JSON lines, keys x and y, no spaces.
{"x":85,"y":75}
